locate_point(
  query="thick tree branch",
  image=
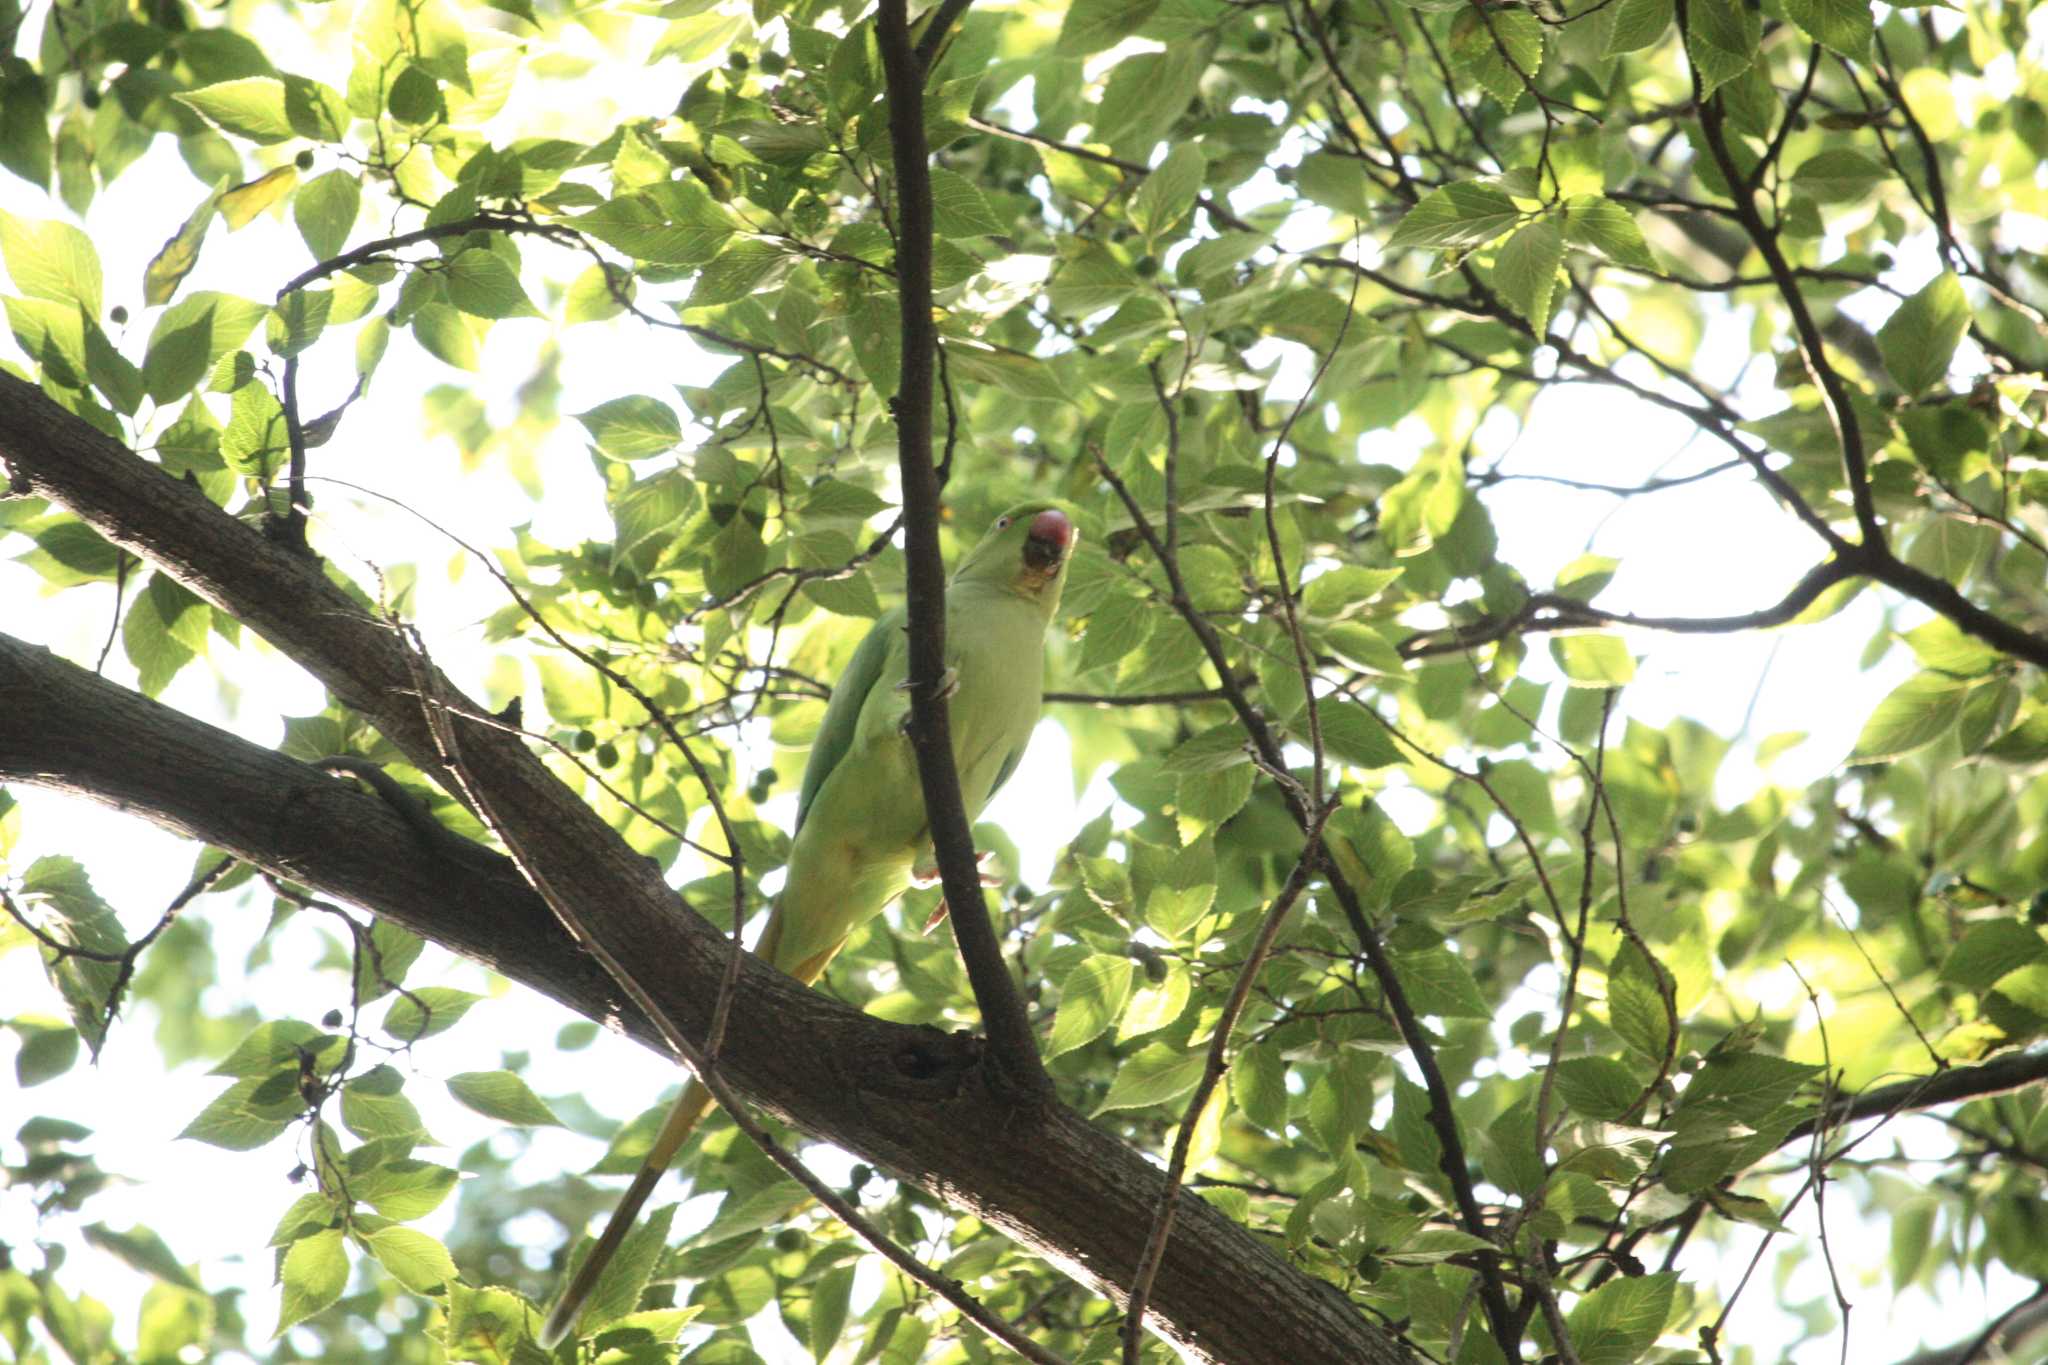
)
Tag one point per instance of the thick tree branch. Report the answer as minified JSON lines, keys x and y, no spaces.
{"x":911,"y":1100}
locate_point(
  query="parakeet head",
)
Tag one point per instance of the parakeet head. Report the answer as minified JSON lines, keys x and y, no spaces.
{"x":1027,"y":550}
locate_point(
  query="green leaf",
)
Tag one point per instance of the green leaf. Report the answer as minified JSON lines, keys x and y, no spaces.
{"x":1092,"y":25}
{"x":959,"y":208}
{"x":46,"y":1052}
{"x":1920,"y":337}
{"x":1460,"y":215}
{"x":404,"y":1188}
{"x":1153,"y":1075}
{"x":1259,"y":1083}
{"x":829,"y":1299}
{"x":1172,"y":911}
{"x":1619,"y":1322}
{"x":269,"y":109}
{"x":325,"y":211}
{"x":414,"y":1259}
{"x":427,"y":1011}
{"x":249,"y":1114}
{"x":1838,"y":175}
{"x":503,"y":1096}
{"x":314,"y":1272}
{"x":680,"y":224}
{"x":51,"y":260}
{"x":1023,"y":375}
{"x":141,"y":1249}
{"x":1607,"y":227}
{"x":484,"y":284}
{"x":1637,"y":24}
{"x":1918,"y":711}
{"x":632,"y":428}
{"x":1989,"y":951}
{"x":619,"y":1287}
{"x":1344,"y":591}
{"x":1168,"y":193}
{"x":1351,"y":734}
{"x":280,"y":1045}
{"x":1119,"y":624}
{"x":1499,"y":49}
{"x":1721,"y":38}
{"x":442,"y":333}
{"x":1091,"y":997}
{"x":58,"y":892}
{"x":736,"y":272}
{"x":190,"y":336}
{"x":1635,"y":1007}
{"x":1598,"y":1087}
{"x":1525,"y":269}
{"x":1840,"y":26}
{"x":1439,"y":983}
{"x":373,"y":1108}
{"x":1592,"y":660}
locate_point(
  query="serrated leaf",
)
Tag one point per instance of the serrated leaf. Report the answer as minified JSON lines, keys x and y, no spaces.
{"x":1091,"y":997}
{"x":1607,"y":227}
{"x":414,"y":1259}
{"x":959,"y":208}
{"x":1460,"y":215}
{"x":1119,"y":624}
{"x":1351,"y":734}
{"x":1989,"y":951}
{"x":1721,"y":38}
{"x":1637,"y":24}
{"x":503,"y":1096}
{"x":1919,"y":339}
{"x":1591,"y":659}
{"x":1838,"y":175}
{"x":1153,"y":1075}
{"x":1840,"y":26}
{"x":619,"y":1287}
{"x":1525,"y":269}
{"x":1597,"y":1087}
{"x":325,"y":211}
{"x":484,"y":284}
{"x":632,"y":428}
{"x":271,"y":109}
{"x":1618,"y":1322}
{"x":427,"y":1011}
{"x":248,"y":1115}
{"x":1169,"y":191}
{"x":1917,"y":712}
{"x":1500,"y":49}
{"x":1092,"y":25}
{"x":51,"y":260}
{"x":314,"y":1272}
{"x":1259,"y":1082}
{"x":404,"y":1188}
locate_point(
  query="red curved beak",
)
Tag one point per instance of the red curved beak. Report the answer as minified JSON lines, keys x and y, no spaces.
{"x":1048,"y":540}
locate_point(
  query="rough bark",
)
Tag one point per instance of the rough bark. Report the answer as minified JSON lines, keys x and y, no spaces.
{"x":912,"y":1101}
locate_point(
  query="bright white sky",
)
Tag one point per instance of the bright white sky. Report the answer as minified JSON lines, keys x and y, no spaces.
{"x":1716,"y":547}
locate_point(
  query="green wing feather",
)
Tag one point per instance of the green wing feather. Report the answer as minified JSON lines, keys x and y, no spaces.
{"x":842,"y":714}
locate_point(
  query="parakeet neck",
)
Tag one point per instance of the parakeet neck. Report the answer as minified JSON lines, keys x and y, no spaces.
{"x":980,"y":594}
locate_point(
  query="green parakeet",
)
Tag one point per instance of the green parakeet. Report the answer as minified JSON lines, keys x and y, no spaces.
{"x":860,"y":819}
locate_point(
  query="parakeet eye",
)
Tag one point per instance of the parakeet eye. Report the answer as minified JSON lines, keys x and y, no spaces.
{"x":1001,"y":522}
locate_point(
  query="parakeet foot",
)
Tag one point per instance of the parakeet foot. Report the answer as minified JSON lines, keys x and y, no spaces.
{"x":949,"y":683}
{"x":926,"y":876}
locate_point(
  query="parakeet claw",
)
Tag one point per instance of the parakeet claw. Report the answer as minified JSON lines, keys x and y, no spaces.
{"x":925,"y":876}
{"x":949,"y":683}
{"x":921,"y":877}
